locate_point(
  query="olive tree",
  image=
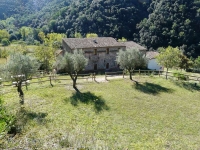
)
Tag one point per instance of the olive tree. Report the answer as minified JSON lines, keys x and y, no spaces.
{"x":19,"y":69}
{"x":73,"y":64}
{"x":131,"y":59}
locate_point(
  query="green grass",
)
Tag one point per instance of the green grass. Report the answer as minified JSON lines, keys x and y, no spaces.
{"x":13,"y":46}
{"x":156,"y":114}
{"x":2,"y":61}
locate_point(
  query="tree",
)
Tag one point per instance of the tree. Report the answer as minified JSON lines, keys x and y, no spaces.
{"x":131,"y":59}
{"x":77,"y":35}
{"x":41,"y":36}
{"x":90,"y":35}
{"x":73,"y":64}
{"x":185,"y":63}
{"x":20,"y":68}
{"x":5,"y":42}
{"x":54,"y":40}
{"x":25,"y":32}
{"x":46,"y":56}
{"x":171,"y":22}
{"x":4,"y":34}
{"x":197,"y":63}
{"x":169,"y":57}
{"x":122,"y":40}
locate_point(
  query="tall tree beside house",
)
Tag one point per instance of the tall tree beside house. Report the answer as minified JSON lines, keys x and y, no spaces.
{"x":19,"y":68}
{"x":169,"y":57}
{"x":46,"y":56}
{"x":45,"y":53}
{"x":171,"y":22}
{"x":131,"y":59}
{"x":73,"y":64}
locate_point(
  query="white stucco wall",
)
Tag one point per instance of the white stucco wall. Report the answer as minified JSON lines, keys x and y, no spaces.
{"x":153,"y":65}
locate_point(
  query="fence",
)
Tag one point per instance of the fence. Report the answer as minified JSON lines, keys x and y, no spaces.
{"x":42,"y":77}
{"x":58,"y":77}
{"x":160,"y":73}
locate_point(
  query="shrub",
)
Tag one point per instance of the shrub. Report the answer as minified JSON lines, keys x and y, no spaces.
{"x":5,"y":42}
{"x":6,"y":121}
{"x":180,"y":76}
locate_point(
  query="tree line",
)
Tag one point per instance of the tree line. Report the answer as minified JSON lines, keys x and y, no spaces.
{"x":161,"y":23}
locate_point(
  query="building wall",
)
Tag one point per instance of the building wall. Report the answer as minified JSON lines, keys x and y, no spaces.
{"x":153,"y":65}
{"x":102,"y":59}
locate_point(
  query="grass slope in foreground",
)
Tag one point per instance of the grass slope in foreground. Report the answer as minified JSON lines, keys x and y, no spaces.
{"x":156,"y":114}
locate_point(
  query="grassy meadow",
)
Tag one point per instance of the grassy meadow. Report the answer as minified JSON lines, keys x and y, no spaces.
{"x":2,"y":61}
{"x":155,"y":114}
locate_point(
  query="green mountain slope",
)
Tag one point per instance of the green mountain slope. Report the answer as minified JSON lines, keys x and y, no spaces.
{"x":117,"y":18}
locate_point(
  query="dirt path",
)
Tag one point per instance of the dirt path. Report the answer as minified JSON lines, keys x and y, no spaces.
{"x":102,"y":78}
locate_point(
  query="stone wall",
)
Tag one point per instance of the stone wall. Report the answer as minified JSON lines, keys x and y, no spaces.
{"x":101,"y":58}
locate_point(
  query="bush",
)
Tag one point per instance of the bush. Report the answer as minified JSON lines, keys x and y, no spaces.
{"x":180,"y":76}
{"x":5,"y":42}
{"x":3,"y":53}
{"x":6,"y":121}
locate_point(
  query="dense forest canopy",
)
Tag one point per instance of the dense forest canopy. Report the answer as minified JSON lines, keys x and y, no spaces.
{"x":174,"y":23}
{"x":159,"y":23}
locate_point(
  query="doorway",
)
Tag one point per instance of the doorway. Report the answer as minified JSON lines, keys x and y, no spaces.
{"x":95,"y":66}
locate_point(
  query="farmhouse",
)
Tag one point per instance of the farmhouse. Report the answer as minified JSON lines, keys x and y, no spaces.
{"x":132,"y":45}
{"x":101,"y":52}
{"x":152,"y":63}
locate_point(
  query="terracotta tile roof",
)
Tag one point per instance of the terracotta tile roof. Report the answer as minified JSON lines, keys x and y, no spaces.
{"x":151,"y":54}
{"x":131,"y":44}
{"x":78,"y":43}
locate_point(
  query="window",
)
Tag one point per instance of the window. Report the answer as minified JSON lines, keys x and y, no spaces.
{"x":95,"y":66}
{"x":95,"y":51}
{"x":107,"y":51}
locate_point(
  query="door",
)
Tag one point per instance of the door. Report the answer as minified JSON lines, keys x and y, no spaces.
{"x":95,"y":66}
{"x":107,"y":66}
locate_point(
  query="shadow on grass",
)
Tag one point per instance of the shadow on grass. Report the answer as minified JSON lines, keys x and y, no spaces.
{"x":89,"y":98}
{"x":151,"y":88}
{"x":23,"y":116}
{"x":187,"y":85}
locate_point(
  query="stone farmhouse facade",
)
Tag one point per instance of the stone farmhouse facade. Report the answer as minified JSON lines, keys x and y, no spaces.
{"x":101,"y":52}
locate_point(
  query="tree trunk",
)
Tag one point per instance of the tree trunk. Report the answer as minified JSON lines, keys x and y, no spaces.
{"x":130,"y":73}
{"x":21,"y":94}
{"x":74,"y":78}
{"x":166,"y":73}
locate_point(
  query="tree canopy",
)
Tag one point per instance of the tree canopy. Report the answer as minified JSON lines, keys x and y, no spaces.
{"x":130,"y":60}
{"x":19,"y":68}
{"x":174,"y":23}
{"x":72,"y":64}
{"x":169,"y":57}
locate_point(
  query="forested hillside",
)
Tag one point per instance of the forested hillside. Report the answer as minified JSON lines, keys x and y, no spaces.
{"x":115,"y":18}
{"x":159,"y":23}
{"x":174,"y":23}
